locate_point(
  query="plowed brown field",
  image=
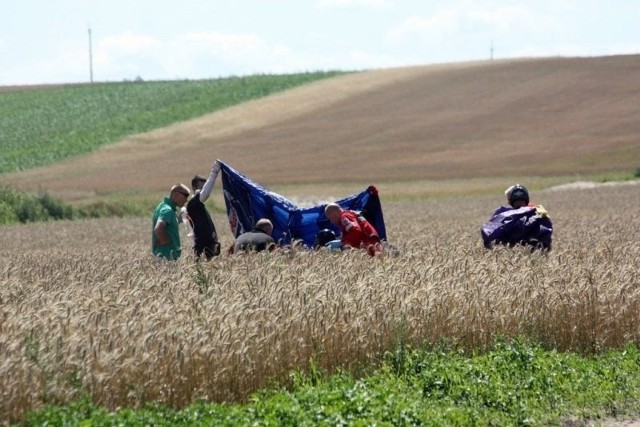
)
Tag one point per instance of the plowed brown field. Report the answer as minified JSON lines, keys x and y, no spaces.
{"x":530,"y":117}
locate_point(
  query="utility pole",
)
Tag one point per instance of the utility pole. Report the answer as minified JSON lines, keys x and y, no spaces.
{"x":90,"y":58}
{"x":491,"y":51}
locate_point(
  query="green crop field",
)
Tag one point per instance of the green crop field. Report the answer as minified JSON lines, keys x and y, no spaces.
{"x":42,"y":126}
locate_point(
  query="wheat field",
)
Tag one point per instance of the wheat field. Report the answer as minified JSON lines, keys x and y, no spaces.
{"x":85,"y":310}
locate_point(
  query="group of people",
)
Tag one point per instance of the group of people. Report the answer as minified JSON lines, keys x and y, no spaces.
{"x":165,"y":236}
{"x":520,"y":221}
{"x":355,"y":230}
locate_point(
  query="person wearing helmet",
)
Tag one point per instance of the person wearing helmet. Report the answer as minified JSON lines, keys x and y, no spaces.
{"x":520,"y":221}
{"x":517,"y":196}
{"x":323,"y":237}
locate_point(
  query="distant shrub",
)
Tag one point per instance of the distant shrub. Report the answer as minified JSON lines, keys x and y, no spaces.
{"x":9,"y":196}
{"x":55,"y":208}
{"x":7,"y":215}
{"x":17,"y":206}
{"x":637,"y":174}
{"x":102,"y":210}
{"x":30,"y":210}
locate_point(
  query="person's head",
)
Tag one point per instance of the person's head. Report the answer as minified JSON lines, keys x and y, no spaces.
{"x":517,"y":196}
{"x":332,"y":211}
{"x":265,"y":225}
{"x":179,"y":194}
{"x":323,"y":237}
{"x":198,"y":182}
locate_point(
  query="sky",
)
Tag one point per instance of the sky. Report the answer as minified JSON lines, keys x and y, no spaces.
{"x":71,"y":41}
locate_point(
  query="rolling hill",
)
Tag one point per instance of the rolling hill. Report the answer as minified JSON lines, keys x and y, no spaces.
{"x":527,"y":117}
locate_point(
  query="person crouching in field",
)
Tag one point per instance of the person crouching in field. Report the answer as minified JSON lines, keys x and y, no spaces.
{"x":257,"y":240}
{"x":205,"y":237}
{"x":355,"y":230}
{"x":165,"y":236}
{"x":518,"y":222}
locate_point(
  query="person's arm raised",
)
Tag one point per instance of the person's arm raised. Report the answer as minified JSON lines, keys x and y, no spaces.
{"x":208,"y":185}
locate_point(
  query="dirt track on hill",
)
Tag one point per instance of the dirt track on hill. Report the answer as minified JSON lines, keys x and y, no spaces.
{"x":535,"y":117}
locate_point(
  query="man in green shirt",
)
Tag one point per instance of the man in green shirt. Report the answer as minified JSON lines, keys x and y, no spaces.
{"x":165,"y":235}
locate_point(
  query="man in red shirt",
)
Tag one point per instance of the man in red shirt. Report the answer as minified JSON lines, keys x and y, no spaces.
{"x":356,"y":231}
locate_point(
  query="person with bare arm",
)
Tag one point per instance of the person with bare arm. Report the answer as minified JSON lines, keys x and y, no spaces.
{"x":165,"y":234}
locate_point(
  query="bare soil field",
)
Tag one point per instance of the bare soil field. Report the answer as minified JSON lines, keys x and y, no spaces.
{"x":511,"y":118}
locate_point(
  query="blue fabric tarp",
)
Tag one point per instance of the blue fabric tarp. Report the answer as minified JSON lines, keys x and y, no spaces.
{"x":247,"y":202}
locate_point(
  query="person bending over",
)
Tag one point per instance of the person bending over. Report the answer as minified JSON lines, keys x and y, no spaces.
{"x":257,"y":240}
{"x":355,"y":230}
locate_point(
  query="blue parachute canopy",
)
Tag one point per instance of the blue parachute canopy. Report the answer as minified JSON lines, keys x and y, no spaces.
{"x":247,"y":202}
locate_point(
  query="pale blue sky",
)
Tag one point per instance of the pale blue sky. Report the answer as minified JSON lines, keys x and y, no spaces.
{"x":47,"y":41}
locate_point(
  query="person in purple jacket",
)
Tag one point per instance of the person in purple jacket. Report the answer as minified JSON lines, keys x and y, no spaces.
{"x":519,"y":222}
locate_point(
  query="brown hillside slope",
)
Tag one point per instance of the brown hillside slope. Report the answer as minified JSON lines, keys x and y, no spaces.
{"x":556,"y":116}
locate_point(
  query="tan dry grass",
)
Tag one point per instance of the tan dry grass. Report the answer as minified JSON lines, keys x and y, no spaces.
{"x":542,"y":117}
{"x":84,"y":308}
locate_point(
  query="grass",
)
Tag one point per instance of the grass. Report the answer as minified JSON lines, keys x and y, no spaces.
{"x":43,"y":126}
{"x":515,"y":383}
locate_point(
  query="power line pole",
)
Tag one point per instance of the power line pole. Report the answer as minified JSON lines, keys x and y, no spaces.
{"x":90,"y":58}
{"x":491,"y":51}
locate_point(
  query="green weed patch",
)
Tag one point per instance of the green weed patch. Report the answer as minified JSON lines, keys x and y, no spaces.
{"x":516,"y":383}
